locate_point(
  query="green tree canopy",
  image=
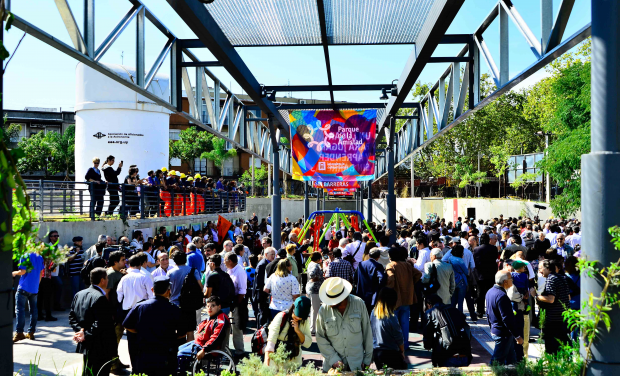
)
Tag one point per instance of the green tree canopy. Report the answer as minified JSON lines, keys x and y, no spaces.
{"x":52,"y":153}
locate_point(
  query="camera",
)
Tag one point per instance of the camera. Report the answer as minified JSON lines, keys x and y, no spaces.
{"x":125,"y":247}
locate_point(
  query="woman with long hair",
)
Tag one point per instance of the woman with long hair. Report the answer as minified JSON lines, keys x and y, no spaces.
{"x":291,"y":328}
{"x":387,"y":336}
{"x":283,"y":287}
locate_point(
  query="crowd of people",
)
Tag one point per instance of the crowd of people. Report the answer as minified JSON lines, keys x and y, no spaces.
{"x":164,"y":192}
{"x":358,"y":294}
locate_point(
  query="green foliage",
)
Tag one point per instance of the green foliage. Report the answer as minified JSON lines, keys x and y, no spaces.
{"x":566,"y":362}
{"x":10,"y":132}
{"x":218,"y":153}
{"x":260,"y":175}
{"x":52,"y":152}
{"x":279,"y":365}
{"x":191,"y":145}
{"x":561,"y":105}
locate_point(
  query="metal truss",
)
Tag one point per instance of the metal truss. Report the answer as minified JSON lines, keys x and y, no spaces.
{"x":435,"y":117}
{"x":250,"y":136}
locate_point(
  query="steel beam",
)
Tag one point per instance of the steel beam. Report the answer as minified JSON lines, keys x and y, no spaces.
{"x":89,"y":27}
{"x":189,"y":64}
{"x":202,"y":24}
{"x":391,"y":197}
{"x":454,"y":39}
{"x":325,"y":43}
{"x":158,"y":63}
{"x":369,"y":202}
{"x":368,"y":87}
{"x":450,"y":59}
{"x":565,"y":46}
{"x":522,"y":26}
{"x":72,"y":28}
{"x":504,"y":44}
{"x":600,"y":202}
{"x":546,"y":22}
{"x":117,"y":31}
{"x":338,"y":106}
{"x":566,"y":7}
{"x":140,"y":47}
{"x":439,"y":19}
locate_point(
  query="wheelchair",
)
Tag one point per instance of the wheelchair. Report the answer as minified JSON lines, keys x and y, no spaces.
{"x":214,"y":362}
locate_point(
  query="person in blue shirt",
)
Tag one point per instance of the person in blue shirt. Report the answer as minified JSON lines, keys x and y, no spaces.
{"x":460,"y":276}
{"x":370,"y":277}
{"x":195,"y":259}
{"x":27,"y":290}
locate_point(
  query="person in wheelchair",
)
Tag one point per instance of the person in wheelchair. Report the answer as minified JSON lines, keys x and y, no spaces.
{"x":212,"y":335}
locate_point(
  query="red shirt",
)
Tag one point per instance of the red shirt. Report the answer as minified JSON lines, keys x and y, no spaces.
{"x":211,"y":332}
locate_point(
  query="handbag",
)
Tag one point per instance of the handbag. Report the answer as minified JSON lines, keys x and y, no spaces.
{"x":432,"y":286}
{"x":351,"y":258}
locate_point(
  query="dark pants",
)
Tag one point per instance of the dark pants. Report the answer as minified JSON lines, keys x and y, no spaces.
{"x":95,"y":364}
{"x":417,"y":310}
{"x":483,"y":287}
{"x":263,"y":309}
{"x":45,"y":297}
{"x":57,"y":282}
{"x":519,"y":324}
{"x":390,"y":358}
{"x":555,"y":334}
{"x":504,"y":352}
{"x":96,"y":197}
{"x":133,"y":349}
{"x":113,"y":202}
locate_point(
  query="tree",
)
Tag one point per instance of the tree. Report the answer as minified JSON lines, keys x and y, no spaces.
{"x":561,"y":105}
{"x":36,"y":151}
{"x":260,"y":176}
{"x":62,"y":147}
{"x":523,"y":180}
{"x":218,"y":154}
{"x":191,"y":145}
{"x":10,"y":132}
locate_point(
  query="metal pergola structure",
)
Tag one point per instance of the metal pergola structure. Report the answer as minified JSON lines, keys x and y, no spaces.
{"x":223,"y":25}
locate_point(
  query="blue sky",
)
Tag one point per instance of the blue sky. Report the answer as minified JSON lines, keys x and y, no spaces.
{"x":40,"y":76}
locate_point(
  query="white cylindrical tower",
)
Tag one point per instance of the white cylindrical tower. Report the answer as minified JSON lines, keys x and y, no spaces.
{"x":111,"y":119}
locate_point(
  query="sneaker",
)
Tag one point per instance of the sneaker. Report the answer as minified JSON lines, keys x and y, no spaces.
{"x":51,"y":318}
{"x":18,"y":337}
{"x":30,"y":336}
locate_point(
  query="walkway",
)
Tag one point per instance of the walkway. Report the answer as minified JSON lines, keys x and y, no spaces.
{"x":54,"y":351}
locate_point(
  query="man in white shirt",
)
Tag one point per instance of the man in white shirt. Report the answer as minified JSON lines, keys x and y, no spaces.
{"x":355,"y":249}
{"x":164,"y":265}
{"x":135,"y":286}
{"x":240,"y":313}
{"x":424,"y":254}
{"x":465,"y":225}
{"x":137,"y":239}
{"x":574,"y":238}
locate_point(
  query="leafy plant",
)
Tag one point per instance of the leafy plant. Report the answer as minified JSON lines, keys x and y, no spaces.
{"x":523,"y":180}
{"x":279,"y":365}
{"x":218,"y":154}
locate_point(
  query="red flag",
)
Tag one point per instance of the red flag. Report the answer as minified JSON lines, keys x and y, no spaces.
{"x":223,"y":225}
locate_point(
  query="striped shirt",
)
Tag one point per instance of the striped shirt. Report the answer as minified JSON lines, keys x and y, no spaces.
{"x":75,"y":266}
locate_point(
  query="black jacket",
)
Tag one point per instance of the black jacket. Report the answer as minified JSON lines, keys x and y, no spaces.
{"x":92,"y":312}
{"x":485,"y":257}
{"x":111,"y":176}
{"x":446,"y":334}
{"x":271,"y":268}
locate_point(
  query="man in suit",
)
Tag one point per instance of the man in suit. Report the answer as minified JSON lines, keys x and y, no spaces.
{"x":370,"y":277}
{"x":92,"y":321}
{"x":259,"y":284}
{"x":485,"y":258}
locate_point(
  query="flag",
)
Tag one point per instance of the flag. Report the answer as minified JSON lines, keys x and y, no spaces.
{"x":223,"y":225}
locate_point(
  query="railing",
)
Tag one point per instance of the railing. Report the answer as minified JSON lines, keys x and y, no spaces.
{"x":74,"y":201}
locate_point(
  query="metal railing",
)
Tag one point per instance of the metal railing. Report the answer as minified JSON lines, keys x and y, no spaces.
{"x":82,"y":201}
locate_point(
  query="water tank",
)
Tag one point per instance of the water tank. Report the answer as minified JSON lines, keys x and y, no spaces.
{"x":111,"y":119}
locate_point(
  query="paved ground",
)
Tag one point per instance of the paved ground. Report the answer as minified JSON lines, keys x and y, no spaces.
{"x":54,"y":351}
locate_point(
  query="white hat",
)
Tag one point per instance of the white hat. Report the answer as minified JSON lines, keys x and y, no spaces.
{"x":334,"y":290}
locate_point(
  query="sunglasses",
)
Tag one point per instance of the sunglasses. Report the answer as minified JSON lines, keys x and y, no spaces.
{"x":53,"y":236}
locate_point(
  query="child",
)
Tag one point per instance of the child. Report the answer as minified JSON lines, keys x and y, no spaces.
{"x":211,"y":335}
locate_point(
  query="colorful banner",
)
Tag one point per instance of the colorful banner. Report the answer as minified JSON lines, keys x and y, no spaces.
{"x":338,"y":192}
{"x":336,"y":184}
{"x":333,"y":146}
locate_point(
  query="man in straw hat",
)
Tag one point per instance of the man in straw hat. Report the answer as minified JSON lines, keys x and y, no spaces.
{"x":343,"y":330}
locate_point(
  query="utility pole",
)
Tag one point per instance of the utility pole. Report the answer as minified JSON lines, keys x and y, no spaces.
{"x":600,"y":202}
{"x":412,"y":178}
{"x":253,"y":176}
{"x":547,"y":177}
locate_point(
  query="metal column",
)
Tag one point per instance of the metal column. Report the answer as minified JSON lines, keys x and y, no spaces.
{"x":306,"y":201}
{"x":369,"y":202}
{"x":600,"y":202}
{"x":323,"y":196}
{"x":276,"y":208}
{"x":547,"y":177}
{"x":391,"y":197}
{"x":318,"y":206}
{"x":253,"y":167}
{"x":412,"y":177}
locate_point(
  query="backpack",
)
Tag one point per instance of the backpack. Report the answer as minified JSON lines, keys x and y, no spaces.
{"x":191,"y":294}
{"x":433,"y":284}
{"x":226,"y":290}
{"x":92,"y":263}
{"x":453,"y":330}
{"x":259,"y":338}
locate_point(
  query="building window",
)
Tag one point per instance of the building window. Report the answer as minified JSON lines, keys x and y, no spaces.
{"x":174,"y":134}
{"x":526,"y":163}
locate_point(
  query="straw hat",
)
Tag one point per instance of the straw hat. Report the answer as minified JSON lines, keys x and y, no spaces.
{"x":334,"y":290}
